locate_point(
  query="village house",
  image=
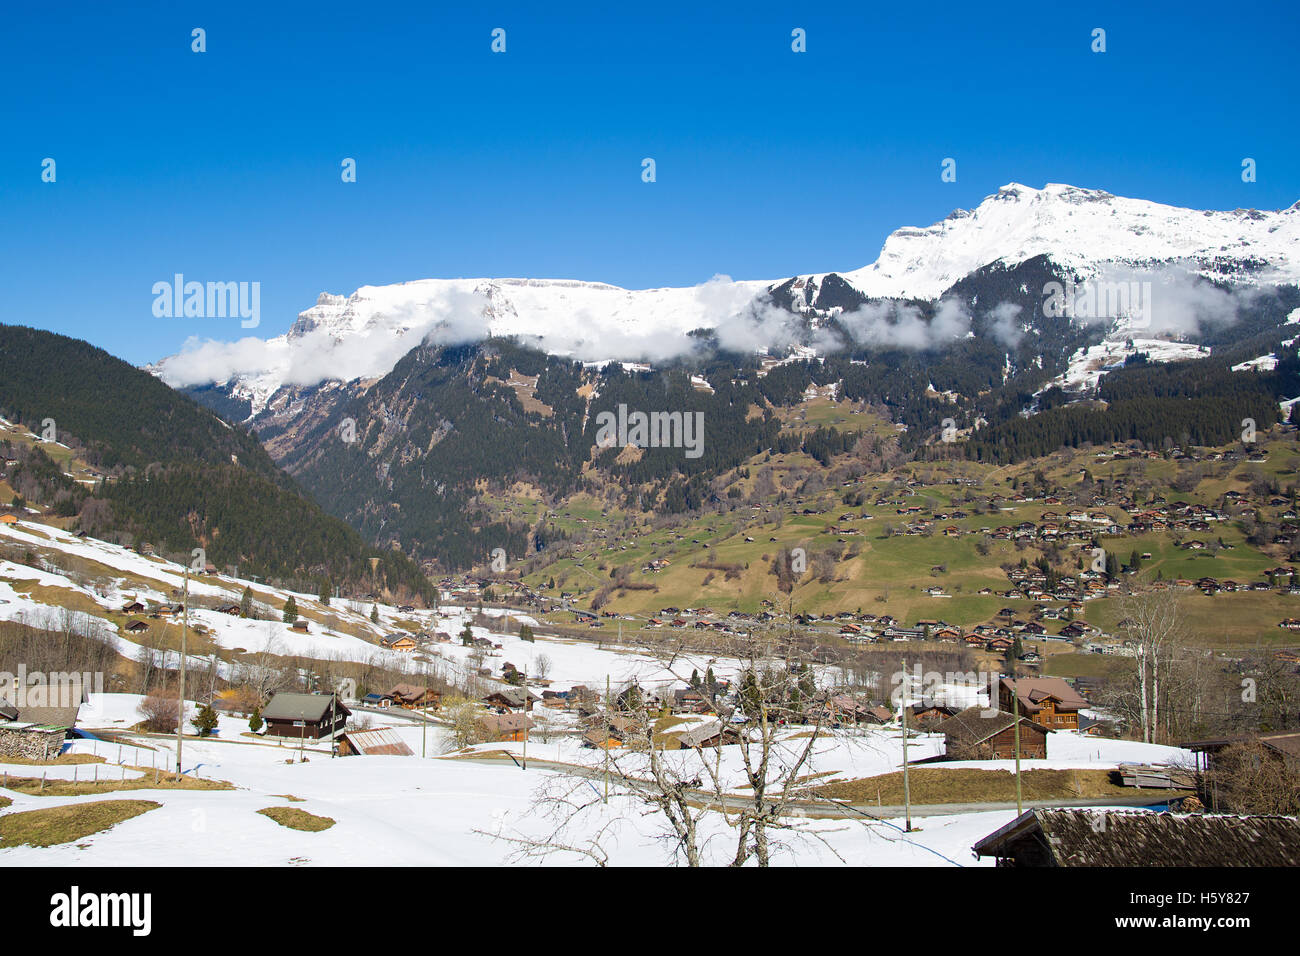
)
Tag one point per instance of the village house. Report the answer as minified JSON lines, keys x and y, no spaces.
{"x":497,"y":728}
{"x":305,"y":716}
{"x":709,"y":734}
{"x":607,"y":732}
{"x":410,"y":697}
{"x":979,"y":734}
{"x":1050,"y":701}
{"x":512,"y":698}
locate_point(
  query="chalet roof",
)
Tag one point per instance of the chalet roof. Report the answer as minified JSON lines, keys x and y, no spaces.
{"x":314,"y":707}
{"x":697,"y":734}
{"x":976,"y":724}
{"x":505,"y":723}
{"x":1096,"y":837}
{"x":513,"y":696}
{"x":1033,"y":690}
{"x":408,"y":691}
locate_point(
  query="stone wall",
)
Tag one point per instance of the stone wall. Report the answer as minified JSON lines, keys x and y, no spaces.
{"x":31,"y":743}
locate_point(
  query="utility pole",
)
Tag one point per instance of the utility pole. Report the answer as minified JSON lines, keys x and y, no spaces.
{"x":1015,"y":712}
{"x":185,"y":626}
{"x":606,"y":718}
{"x":907,"y":792}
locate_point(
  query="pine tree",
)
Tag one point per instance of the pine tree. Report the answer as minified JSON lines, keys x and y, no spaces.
{"x":255,"y":722}
{"x":374,"y":614}
{"x":325,"y":591}
{"x":246,"y":603}
{"x":290,"y":610}
{"x":205,"y":721}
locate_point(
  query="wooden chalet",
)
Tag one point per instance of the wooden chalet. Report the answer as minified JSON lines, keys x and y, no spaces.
{"x":710,"y":733}
{"x":305,"y":716}
{"x":512,"y":698}
{"x":692,"y":700}
{"x":978,"y":734}
{"x":607,"y":733}
{"x":503,"y":727}
{"x":38,"y":732}
{"x":402,"y":643}
{"x":1050,"y":701}
{"x":411,"y":697}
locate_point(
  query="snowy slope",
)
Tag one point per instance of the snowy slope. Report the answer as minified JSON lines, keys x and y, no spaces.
{"x":1080,"y":229}
{"x":445,"y":810}
{"x":341,"y":631}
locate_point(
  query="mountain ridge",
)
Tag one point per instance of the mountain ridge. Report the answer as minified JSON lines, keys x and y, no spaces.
{"x":362,"y":335}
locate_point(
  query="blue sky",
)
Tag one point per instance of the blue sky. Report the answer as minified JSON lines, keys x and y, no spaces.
{"x":225,"y":165}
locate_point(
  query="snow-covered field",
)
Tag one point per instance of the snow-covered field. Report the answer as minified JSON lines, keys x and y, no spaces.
{"x":436,"y":809}
{"x":446,"y":810}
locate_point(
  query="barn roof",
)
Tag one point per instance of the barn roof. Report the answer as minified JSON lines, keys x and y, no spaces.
{"x":1104,"y":837}
{"x":975,"y":724}
{"x":506,"y":723}
{"x":63,"y":703}
{"x":377,"y":743}
{"x":284,"y":706}
{"x":699,"y":733}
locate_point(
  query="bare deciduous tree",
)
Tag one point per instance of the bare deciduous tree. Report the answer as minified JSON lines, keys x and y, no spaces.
{"x":743,"y":775}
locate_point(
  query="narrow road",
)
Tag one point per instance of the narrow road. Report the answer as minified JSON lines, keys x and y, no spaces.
{"x":839,"y":809}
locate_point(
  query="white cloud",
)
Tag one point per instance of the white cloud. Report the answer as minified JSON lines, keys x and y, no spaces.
{"x":900,"y":325}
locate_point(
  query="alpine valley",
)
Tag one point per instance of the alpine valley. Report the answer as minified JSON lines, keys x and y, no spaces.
{"x":459,"y":391}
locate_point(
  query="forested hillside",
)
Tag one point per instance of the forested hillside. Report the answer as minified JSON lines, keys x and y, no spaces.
{"x":174,"y":474}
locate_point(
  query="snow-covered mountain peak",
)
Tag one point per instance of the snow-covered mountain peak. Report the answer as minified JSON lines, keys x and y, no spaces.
{"x":364,"y":334}
{"x":1080,"y":229}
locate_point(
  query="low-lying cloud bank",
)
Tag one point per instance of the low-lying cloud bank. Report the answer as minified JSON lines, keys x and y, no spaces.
{"x":1165,"y":301}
